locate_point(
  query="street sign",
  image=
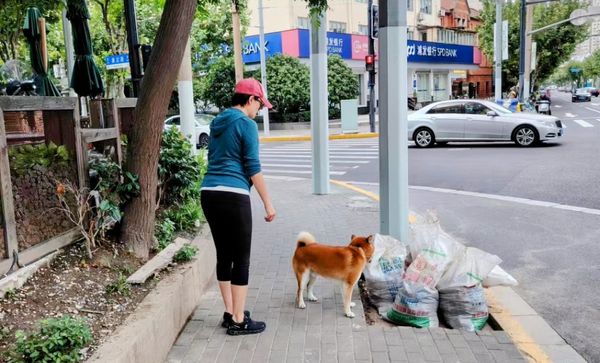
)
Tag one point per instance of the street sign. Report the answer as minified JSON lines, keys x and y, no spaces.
{"x":117,"y":61}
{"x":504,"y":39}
{"x":577,"y":17}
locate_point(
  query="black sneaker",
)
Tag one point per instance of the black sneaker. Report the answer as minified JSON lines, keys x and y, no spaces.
{"x":248,"y":326}
{"x":228,"y":318}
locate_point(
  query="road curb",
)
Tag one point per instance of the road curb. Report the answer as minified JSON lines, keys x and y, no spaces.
{"x":308,"y":138}
{"x":535,"y":338}
{"x":149,"y":332}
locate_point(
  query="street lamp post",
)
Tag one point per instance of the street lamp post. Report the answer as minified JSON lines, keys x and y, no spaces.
{"x":263,"y":67}
{"x":133,"y":44}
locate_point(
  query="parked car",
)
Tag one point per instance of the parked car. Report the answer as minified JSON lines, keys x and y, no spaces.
{"x":593,"y":91}
{"x":202,"y":122}
{"x":581,"y":94}
{"x":477,"y":120}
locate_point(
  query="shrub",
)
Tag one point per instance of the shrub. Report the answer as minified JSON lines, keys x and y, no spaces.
{"x":179,"y":171}
{"x":186,"y":253}
{"x":58,"y":340}
{"x":288,"y":82}
{"x":185,"y":216}
{"x":342,"y":83}
{"x":164,"y":231}
{"x":26,"y":157}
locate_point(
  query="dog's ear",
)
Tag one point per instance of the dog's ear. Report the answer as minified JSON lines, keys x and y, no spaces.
{"x":370,"y":239}
{"x":352,"y":237}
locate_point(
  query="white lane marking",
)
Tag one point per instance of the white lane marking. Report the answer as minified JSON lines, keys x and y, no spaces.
{"x":298,"y":152}
{"x":526,"y":201}
{"x":330,"y":161}
{"x":568,"y":114}
{"x":595,"y":104}
{"x":557,"y":106}
{"x":284,"y":178}
{"x":308,"y":156}
{"x":583,"y":123}
{"x":305,"y":166}
{"x":299,"y":171}
{"x":591,"y":109}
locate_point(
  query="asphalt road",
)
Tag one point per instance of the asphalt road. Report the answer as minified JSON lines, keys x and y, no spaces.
{"x":537,"y":208}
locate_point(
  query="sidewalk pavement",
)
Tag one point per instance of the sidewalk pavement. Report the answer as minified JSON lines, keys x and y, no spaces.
{"x":321,"y":332}
{"x":334,"y":130}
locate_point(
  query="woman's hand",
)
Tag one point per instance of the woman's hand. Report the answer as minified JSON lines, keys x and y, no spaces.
{"x":270,"y":213}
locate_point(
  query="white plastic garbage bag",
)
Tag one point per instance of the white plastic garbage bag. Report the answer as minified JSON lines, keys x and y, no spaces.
{"x":469,"y":268}
{"x":415,"y":305}
{"x":499,"y":277}
{"x":464,"y":308}
{"x":383,"y":275}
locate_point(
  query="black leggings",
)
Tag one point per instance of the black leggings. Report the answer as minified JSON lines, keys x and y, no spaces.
{"x":229,"y":216}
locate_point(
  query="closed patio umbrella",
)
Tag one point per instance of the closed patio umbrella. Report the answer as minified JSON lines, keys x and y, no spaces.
{"x":33,"y":33}
{"x":86,"y":80}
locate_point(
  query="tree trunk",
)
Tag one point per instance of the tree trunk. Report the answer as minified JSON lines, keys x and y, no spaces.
{"x":237,"y":41}
{"x":143,"y":153}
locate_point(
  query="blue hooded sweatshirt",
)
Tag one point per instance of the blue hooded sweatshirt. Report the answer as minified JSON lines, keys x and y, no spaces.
{"x":232,"y":151}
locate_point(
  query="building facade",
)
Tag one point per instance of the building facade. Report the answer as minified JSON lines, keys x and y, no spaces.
{"x":592,"y":43}
{"x":444,"y":58}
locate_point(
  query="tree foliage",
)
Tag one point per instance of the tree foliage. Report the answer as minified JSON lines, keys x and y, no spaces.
{"x":554,"y":46}
{"x":342,"y":84}
{"x":288,"y":83}
{"x":12,"y":16}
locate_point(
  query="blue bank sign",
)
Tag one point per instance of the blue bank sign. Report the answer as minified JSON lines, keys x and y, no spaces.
{"x":427,"y":52}
{"x":251,"y":47}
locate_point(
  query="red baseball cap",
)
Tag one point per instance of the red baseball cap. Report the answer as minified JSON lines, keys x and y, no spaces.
{"x":252,"y":87}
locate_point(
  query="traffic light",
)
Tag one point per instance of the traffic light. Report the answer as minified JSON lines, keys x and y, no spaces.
{"x":370,"y":62}
{"x":374,"y":17}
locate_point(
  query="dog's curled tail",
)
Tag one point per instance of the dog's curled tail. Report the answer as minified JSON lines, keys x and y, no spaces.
{"x":305,"y":239}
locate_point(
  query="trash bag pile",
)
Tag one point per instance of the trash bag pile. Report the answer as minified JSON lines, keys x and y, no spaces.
{"x":432,"y":276}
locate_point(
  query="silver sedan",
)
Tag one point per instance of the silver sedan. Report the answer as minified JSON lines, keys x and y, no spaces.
{"x":475,"y":120}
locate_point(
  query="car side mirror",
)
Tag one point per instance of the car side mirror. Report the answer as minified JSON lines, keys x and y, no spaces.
{"x":492,"y":113}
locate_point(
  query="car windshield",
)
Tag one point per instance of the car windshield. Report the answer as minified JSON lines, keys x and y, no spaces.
{"x":581,"y":91}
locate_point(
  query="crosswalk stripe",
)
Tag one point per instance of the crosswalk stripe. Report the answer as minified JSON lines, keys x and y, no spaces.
{"x":583,"y":123}
{"x":591,"y":109}
{"x":568,"y":114}
{"x":299,"y":171}
{"x":304,"y":166}
{"x":307,"y":156}
{"x":366,"y":153}
{"x":330,"y":161}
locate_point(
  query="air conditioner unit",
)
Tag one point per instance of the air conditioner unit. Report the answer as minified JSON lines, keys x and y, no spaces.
{"x":420,"y":17}
{"x":442,"y":12}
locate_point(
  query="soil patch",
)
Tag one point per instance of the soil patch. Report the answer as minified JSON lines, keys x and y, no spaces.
{"x":74,"y":286}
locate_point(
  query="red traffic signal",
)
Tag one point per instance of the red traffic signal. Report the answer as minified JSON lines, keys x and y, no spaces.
{"x":370,"y":62}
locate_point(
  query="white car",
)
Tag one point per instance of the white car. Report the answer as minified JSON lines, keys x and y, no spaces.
{"x":476,"y":120}
{"x":202,"y":122}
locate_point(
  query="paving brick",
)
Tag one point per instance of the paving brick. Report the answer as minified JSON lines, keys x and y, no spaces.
{"x":177,"y":354}
{"x":397,"y":354}
{"x":438,"y":333}
{"x":478,"y":347}
{"x":484,"y":358}
{"x":458,"y":341}
{"x":380,"y":357}
{"x":416,"y":358}
{"x":431,"y":354}
{"x":444,"y":346}
{"x":392,"y":337}
{"x":491,"y":342}
{"x":465,"y":355}
{"x":471,"y":336}
{"x":502,"y":337}
{"x":450,"y":358}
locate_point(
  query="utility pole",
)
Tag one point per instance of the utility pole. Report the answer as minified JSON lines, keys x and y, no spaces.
{"x":522,"y":39}
{"x":528,"y":25}
{"x":185,"y":89}
{"x":393,"y":124}
{"x":237,"y":41}
{"x":135,"y":64}
{"x":263,"y":65}
{"x":498,"y":52}
{"x":319,"y":117}
{"x":373,"y":28}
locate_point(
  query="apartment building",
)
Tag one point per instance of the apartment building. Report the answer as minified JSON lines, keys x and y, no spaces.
{"x":444,"y":60}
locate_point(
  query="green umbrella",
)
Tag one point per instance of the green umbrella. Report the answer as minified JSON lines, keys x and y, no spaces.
{"x":32,"y":31}
{"x":86,"y":80}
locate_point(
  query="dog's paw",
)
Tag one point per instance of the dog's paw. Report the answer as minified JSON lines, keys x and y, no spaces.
{"x":352,"y":304}
{"x":313,"y":298}
{"x":301,"y":305}
{"x":350,"y":314}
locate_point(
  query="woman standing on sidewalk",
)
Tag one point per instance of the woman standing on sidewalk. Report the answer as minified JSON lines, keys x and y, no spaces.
{"x":233,"y":167}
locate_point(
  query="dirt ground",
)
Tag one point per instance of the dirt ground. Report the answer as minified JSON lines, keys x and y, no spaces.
{"x":76,"y":287}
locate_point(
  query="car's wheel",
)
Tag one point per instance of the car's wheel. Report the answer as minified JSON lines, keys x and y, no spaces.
{"x":203,"y":141}
{"x":525,"y":136}
{"x":424,"y":137}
